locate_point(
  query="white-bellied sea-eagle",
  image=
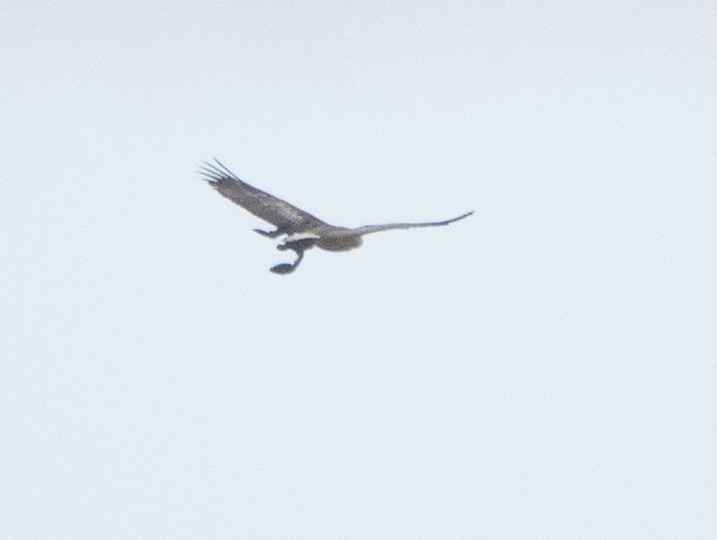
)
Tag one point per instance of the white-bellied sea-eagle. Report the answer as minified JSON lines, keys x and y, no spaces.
{"x":302,"y":231}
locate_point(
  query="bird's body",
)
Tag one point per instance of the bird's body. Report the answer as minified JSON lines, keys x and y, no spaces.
{"x":302,"y":230}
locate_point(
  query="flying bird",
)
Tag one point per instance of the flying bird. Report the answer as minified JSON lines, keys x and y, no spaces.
{"x":301,"y":230}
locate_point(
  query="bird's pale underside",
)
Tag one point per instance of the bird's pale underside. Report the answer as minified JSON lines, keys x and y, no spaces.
{"x":301,"y":230}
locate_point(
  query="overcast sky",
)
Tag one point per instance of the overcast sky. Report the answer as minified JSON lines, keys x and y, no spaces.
{"x":543,"y":369}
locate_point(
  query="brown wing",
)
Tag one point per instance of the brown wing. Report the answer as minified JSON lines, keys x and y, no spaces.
{"x":286,"y":217}
{"x":366,"y":229}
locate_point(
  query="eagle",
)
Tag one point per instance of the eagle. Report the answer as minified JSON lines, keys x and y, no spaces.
{"x":301,"y":230}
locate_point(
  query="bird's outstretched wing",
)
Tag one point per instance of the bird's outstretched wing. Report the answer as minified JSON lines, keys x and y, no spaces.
{"x":286,"y":217}
{"x":367,"y":229}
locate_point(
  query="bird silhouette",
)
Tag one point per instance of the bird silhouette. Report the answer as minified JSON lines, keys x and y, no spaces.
{"x":301,"y":230}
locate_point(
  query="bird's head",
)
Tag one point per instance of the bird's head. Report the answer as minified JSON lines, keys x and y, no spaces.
{"x":297,"y":245}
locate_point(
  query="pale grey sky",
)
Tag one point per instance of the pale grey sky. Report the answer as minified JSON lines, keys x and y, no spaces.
{"x":543,"y":369}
